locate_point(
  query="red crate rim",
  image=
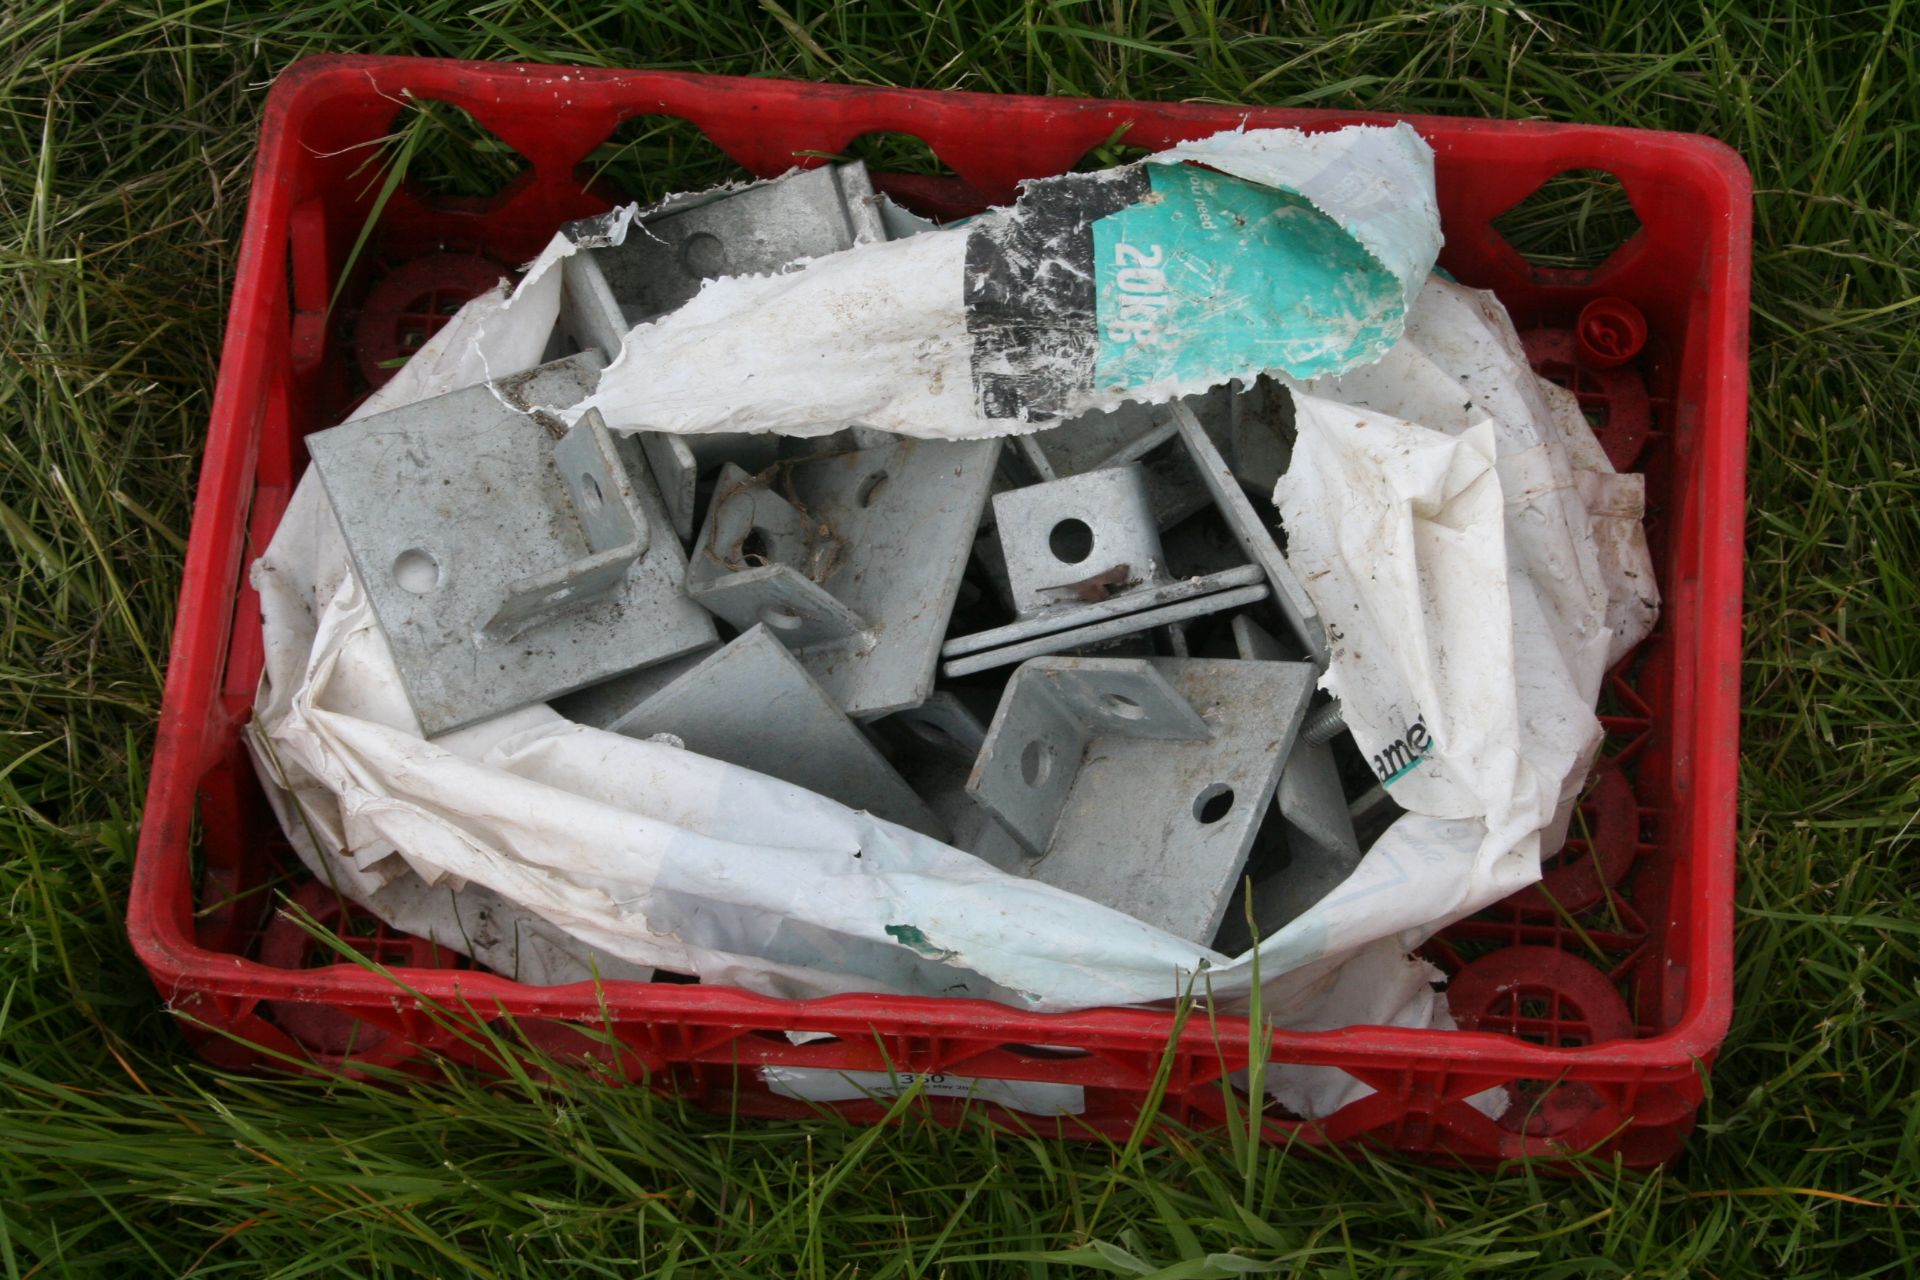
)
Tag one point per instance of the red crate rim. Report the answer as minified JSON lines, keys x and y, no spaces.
{"x":162,"y":934}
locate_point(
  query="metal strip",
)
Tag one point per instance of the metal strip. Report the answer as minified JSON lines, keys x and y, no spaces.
{"x":858,"y":572}
{"x":1130,"y":624}
{"x":1068,"y":617}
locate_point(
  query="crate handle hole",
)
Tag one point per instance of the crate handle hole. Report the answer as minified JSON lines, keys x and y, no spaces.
{"x":1112,"y":153}
{"x":1575,"y":221}
{"x":649,"y":157}
{"x":453,"y":157}
{"x":895,"y":153}
{"x":1051,"y":1052}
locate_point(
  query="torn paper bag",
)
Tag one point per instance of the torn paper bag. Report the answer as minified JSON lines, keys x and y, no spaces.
{"x":1245,"y":252}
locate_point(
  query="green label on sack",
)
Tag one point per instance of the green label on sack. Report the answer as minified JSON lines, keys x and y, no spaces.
{"x":1210,"y":276}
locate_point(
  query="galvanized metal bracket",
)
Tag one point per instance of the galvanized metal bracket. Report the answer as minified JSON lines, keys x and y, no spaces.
{"x":680,"y":461}
{"x":1084,"y":538}
{"x":1321,"y":847}
{"x":752,"y":704}
{"x":446,"y":504}
{"x":1140,"y":782}
{"x":851,"y":560}
{"x":1310,"y":796}
{"x":668,"y":257}
{"x":665,"y":259}
{"x":609,"y":513}
{"x":744,"y":568}
{"x":1096,"y":530}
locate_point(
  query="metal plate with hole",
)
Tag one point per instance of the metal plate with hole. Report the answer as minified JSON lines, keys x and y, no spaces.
{"x":617,"y":532}
{"x":1077,"y":540}
{"x":665,"y":259}
{"x":679,"y":462}
{"x":753,"y":704}
{"x":1140,"y":782}
{"x":1321,"y":848}
{"x":852,"y":560}
{"x":500,"y":578}
{"x":1297,"y":607}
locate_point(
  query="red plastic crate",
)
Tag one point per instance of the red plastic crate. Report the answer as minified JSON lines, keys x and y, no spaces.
{"x":1600,"y":1014}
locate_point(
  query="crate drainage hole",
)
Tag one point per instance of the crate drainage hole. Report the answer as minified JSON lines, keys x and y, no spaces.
{"x":1071,"y":541}
{"x":1036,"y":762}
{"x":1213,"y":804}
{"x":416,"y":571}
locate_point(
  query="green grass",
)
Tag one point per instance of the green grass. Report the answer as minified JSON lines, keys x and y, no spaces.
{"x":125,"y":147}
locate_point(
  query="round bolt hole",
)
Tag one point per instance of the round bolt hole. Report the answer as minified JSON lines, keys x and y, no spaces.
{"x":590,"y":492}
{"x":1126,"y":708}
{"x":756,"y":547}
{"x":1213,"y":804}
{"x":869,"y":487}
{"x":1036,"y":762}
{"x":416,"y":571}
{"x":781,"y":618}
{"x":704,"y":255}
{"x":1071,"y":541}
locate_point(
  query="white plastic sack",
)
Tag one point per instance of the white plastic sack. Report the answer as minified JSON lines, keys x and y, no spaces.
{"x":1477,"y":564}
